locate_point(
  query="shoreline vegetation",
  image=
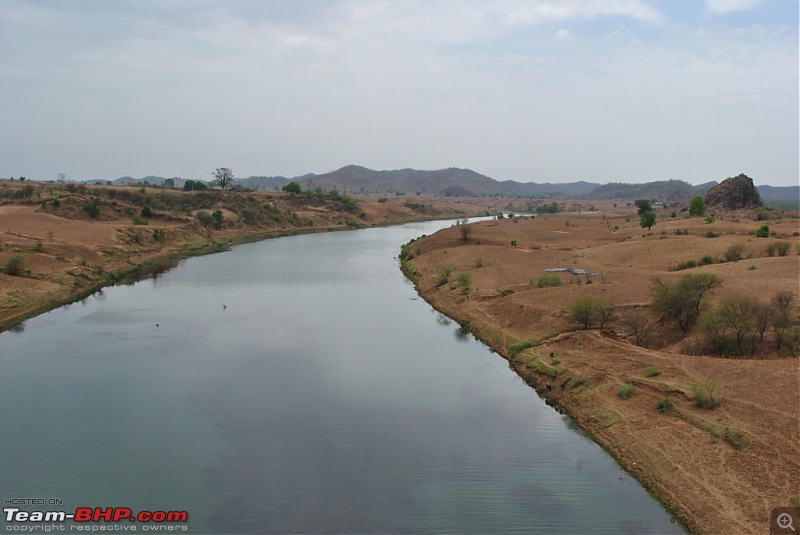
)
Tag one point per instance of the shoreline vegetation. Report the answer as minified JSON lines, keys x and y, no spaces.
{"x":62,"y":242}
{"x":711,"y":431}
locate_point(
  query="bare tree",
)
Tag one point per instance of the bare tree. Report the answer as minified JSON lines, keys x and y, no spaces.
{"x":465,"y":229}
{"x":606,"y":311}
{"x":640,"y":327}
{"x":763,"y":317}
{"x":782,"y":301}
{"x":223,"y":177}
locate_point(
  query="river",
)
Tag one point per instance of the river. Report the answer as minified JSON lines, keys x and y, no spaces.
{"x":295,"y":385}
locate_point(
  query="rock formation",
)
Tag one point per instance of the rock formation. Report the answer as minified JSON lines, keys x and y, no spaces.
{"x":733,"y":194}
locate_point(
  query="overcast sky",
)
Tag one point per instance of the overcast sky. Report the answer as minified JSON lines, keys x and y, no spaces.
{"x":529,"y":90}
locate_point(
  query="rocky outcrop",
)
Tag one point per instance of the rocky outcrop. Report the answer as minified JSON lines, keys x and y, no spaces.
{"x":733,"y":194}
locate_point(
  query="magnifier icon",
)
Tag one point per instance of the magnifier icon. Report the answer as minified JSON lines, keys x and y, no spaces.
{"x":784,"y":521}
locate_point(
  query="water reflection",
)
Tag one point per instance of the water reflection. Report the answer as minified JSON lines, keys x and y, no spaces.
{"x":296,"y":385}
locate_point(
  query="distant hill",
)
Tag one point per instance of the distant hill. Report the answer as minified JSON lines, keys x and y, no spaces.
{"x":150,"y":179}
{"x":448,"y":182}
{"x":779,"y":194}
{"x":668,"y":191}
{"x":457,"y":182}
{"x":263,"y":182}
{"x":674,"y":191}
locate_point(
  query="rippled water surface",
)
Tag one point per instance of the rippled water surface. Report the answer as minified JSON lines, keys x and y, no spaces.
{"x":295,"y":385}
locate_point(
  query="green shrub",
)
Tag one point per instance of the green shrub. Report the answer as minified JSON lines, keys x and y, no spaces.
{"x":293,"y":188}
{"x":686,"y":265}
{"x":513,"y":243}
{"x":697,"y":206}
{"x":652,"y":371}
{"x":549,"y":281}
{"x":734,"y":252}
{"x":647,"y":220}
{"x":584,"y":311}
{"x":706,"y":394}
{"x":204,"y":218}
{"x":464,"y":279}
{"x":626,"y":391}
{"x":763,"y":231}
{"x":15,"y":265}
{"x":664,"y":405}
{"x":515,"y":349}
{"x":158,"y":234}
{"x":783,"y":248}
{"x":706,"y":260}
{"x":92,"y":207}
{"x":146,"y":211}
{"x":578,"y":382}
{"x":735,"y":438}
{"x":218,"y":218}
{"x":643,"y":206}
{"x":136,"y":219}
{"x":710,"y":219}
{"x":444,"y":275}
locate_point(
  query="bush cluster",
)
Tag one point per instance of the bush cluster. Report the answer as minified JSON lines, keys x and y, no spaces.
{"x":546,"y":281}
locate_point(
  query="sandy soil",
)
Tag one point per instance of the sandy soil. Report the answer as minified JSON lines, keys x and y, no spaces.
{"x":682,"y":455}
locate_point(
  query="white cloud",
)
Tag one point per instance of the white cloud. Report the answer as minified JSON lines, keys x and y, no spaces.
{"x":180,"y":91}
{"x":551,"y":11}
{"x":720,"y":7}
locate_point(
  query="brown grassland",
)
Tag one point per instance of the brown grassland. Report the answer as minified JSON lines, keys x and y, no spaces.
{"x":718,"y":470}
{"x":69,"y":250}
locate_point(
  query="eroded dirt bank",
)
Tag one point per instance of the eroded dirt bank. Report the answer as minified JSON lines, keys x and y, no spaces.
{"x":718,"y":470}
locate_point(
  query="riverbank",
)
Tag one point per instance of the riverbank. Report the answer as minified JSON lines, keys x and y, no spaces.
{"x":716,"y":470}
{"x":72,"y":240}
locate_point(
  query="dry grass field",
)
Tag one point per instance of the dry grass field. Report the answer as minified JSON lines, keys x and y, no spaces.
{"x":67,"y":253}
{"x":719,"y":470}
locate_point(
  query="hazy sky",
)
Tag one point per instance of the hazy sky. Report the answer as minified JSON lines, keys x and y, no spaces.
{"x":529,"y":90}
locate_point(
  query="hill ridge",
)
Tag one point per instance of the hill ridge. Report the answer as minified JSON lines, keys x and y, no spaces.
{"x":456,"y":181}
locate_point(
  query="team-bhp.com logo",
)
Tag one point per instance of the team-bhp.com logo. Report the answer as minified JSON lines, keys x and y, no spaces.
{"x":96,"y":515}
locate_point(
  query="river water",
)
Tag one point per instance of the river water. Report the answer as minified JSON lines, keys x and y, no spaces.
{"x":295,"y":385}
